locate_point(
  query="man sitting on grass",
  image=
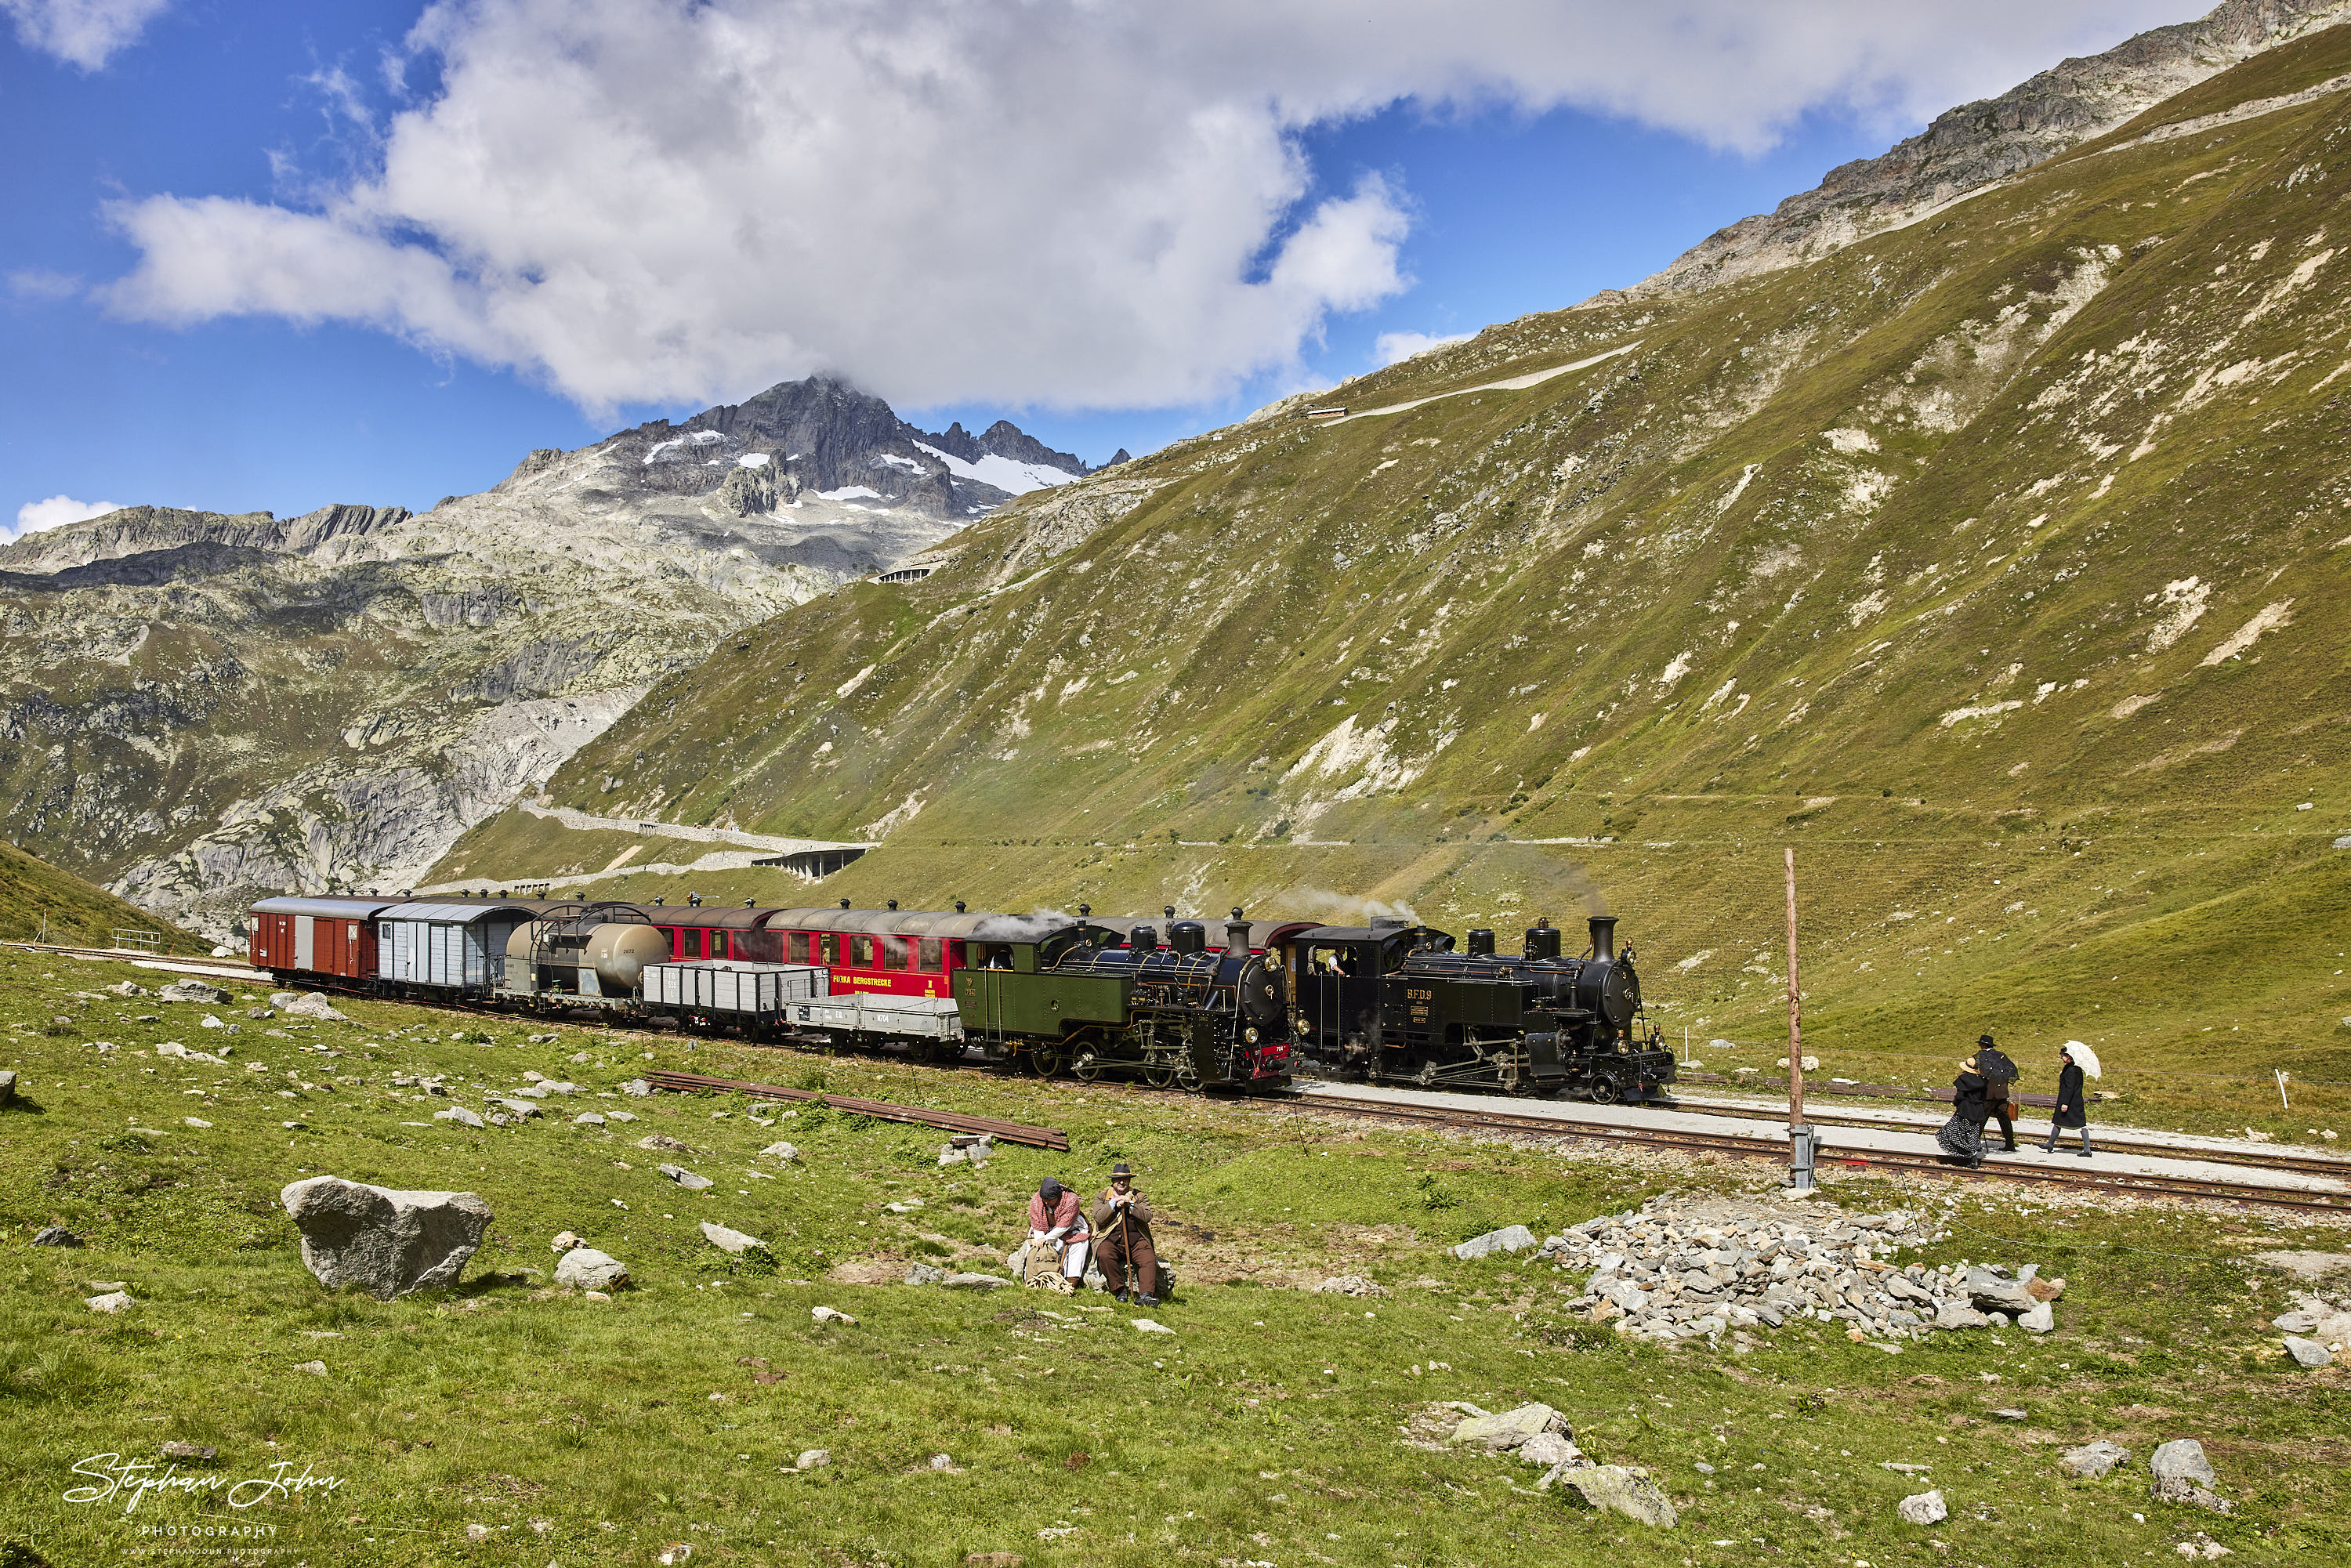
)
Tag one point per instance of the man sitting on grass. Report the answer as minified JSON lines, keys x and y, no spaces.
{"x":1122,"y":1217}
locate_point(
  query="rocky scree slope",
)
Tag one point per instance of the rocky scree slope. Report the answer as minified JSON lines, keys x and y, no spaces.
{"x":1998,"y":563}
{"x":195,"y":708}
{"x":1979,"y":144}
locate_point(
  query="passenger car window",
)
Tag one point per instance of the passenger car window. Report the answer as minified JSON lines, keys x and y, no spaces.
{"x":927,"y":960}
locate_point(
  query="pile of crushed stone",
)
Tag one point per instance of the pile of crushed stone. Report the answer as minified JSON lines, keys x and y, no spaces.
{"x":1689,"y":1268}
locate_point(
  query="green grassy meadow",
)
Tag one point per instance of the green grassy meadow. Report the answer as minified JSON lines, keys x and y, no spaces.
{"x":1271,"y":1425}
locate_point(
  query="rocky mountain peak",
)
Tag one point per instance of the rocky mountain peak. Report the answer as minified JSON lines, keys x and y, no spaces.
{"x":1977,"y":145}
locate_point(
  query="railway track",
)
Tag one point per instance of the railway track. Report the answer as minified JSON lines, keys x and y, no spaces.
{"x":1773,"y":1151}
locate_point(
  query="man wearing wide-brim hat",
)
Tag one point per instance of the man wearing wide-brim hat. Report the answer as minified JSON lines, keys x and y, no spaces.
{"x":1121,"y":1218}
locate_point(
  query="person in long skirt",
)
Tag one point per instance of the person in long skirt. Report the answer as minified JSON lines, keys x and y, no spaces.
{"x":1961,"y":1137}
{"x":2073,"y":1103}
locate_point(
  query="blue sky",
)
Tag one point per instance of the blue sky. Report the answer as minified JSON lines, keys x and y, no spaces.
{"x":231,"y":279}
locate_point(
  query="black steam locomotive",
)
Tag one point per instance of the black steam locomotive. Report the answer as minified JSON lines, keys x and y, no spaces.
{"x":1395,"y":1003}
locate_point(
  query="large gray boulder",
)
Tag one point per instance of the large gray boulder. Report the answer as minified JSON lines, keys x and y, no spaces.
{"x":1511,"y":1429}
{"x":1630,"y":1492}
{"x":1510,"y":1239}
{"x":385,"y":1242}
{"x":192,"y":991}
{"x":2307,"y":1353}
{"x":1925,"y":1508}
{"x":313,"y":1005}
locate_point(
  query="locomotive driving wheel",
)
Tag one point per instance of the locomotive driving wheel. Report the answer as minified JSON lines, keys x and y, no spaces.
{"x":1159,"y":1074}
{"x":1086,"y":1066}
{"x":1047,"y":1059}
{"x":1604,"y":1088}
{"x":1186,"y":1077}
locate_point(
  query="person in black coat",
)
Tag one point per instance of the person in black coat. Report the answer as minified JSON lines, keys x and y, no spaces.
{"x":2073,"y":1106}
{"x":1962,"y":1136}
{"x":2002,"y":1075}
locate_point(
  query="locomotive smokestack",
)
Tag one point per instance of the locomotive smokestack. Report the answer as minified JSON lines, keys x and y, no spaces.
{"x":1604,"y":936}
{"x":1237,"y":935}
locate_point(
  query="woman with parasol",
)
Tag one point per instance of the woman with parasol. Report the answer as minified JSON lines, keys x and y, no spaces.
{"x":2072,"y":1102}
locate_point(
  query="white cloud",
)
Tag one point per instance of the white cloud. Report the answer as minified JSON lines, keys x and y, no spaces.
{"x":56,"y":512}
{"x":39,"y":283}
{"x":82,"y":32}
{"x":1392,"y":347}
{"x":1067,"y":203}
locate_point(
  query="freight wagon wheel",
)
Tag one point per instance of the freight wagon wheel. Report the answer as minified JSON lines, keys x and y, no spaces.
{"x":1044,"y":1060}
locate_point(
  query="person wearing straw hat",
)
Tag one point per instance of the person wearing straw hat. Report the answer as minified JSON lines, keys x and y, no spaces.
{"x":1122,"y":1216}
{"x":2073,"y":1099}
{"x":1961,"y":1137}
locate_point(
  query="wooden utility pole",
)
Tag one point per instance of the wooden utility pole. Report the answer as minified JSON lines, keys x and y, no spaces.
{"x":1801,"y":1140}
{"x":1796,"y":1011}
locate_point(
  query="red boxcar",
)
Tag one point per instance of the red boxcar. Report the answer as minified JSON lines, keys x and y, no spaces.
{"x":328,"y":934}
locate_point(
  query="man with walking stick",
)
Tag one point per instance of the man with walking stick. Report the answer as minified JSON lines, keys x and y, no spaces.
{"x":1121,"y":1218}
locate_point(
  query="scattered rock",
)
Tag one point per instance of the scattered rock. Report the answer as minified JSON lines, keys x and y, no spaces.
{"x":734,"y":1243}
{"x":2311,"y":1265}
{"x":531,"y":1091}
{"x":460,"y":1114}
{"x":586,"y":1269}
{"x":565,"y":1241}
{"x":311,"y":1005}
{"x":685,"y":1178}
{"x":516,"y":1110}
{"x":813,"y":1459}
{"x":924,"y":1274}
{"x":1629,"y":1491}
{"x":1992,"y":1293}
{"x":662,"y":1143}
{"x":1349,"y":1285}
{"x":587,"y":1119}
{"x":637,"y":1087}
{"x":1498,"y":1434}
{"x":315,"y":1368}
{"x":1148,"y":1325}
{"x":261,"y":1013}
{"x":2308,"y":1351}
{"x":111,"y":1301}
{"x":830,"y":1316}
{"x":1548,"y":1448}
{"x":125,"y":988}
{"x":1958,"y":1315}
{"x":1510,"y":1239}
{"x":2040,"y":1320}
{"x":56,"y":1236}
{"x":197,"y":1121}
{"x":385,"y":1242}
{"x":2011,"y":1413}
{"x":1924,"y":1507}
{"x":192,"y":991}
{"x":2045,"y":1290}
{"x":676,"y":1552}
{"x":1812,"y":1064}
{"x":191,"y":1453}
{"x":619,"y":1115}
{"x":974,"y":1283}
{"x":7,"y":1086}
{"x":2182,"y":1474}
{"x":2094,"y":1461}
{"x":594,"y":1296}
{"x":778,"y":1151}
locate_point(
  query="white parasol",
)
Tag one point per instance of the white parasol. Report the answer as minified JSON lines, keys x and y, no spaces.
{"x":2085,"y":1057}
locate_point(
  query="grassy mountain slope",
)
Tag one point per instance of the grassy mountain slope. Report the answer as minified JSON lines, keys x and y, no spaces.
{"x":1997,"y":563}
{"x":40,"y":903}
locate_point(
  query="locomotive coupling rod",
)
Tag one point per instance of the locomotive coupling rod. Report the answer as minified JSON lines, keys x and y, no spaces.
{"x":880,"y":1110}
